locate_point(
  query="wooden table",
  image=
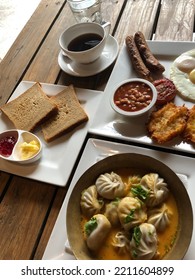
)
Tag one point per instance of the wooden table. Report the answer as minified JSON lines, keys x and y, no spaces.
{"x":28,"y":208}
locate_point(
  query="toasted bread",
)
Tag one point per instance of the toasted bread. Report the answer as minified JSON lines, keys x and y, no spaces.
{"x":30,"y":109}
{"x":70,"y":114}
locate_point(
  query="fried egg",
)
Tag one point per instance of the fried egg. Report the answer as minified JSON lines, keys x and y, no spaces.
{"x":182,"y":73}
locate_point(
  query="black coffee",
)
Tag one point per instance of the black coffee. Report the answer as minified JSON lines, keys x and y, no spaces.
{"x":84,"y":42}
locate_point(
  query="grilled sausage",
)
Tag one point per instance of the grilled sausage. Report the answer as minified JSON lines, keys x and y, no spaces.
{"x":136,"y":60}
{"x":148,"y":58}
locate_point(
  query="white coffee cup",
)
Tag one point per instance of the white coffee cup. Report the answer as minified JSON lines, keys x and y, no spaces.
{"x":75,"y":34}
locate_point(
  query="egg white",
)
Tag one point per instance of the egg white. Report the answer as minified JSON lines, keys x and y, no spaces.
{"x":181,"y":79}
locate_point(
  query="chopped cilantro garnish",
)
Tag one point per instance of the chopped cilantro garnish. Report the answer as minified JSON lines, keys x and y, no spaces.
{"x":90,"y":226}
{"x":137,"y":235}
{"x":139,"y":192}
{"x":129,"y":217}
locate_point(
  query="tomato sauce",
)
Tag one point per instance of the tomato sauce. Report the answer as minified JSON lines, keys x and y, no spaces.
{"x":133,"y":96}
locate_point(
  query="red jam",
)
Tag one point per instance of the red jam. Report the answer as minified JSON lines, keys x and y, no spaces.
{"x":133,"y":96}
{"x":6,"y":145}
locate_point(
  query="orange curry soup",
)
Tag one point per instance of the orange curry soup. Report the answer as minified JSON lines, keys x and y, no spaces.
{"x":165,"y":239}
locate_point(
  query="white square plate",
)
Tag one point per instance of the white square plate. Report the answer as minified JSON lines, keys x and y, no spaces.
{"x":98,"y":149}
{"x":59,"y":156}
{"x":112,"y":125}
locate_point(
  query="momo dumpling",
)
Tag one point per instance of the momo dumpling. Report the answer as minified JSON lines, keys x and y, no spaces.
{"x":111,"y":212}
{"x":144,"y":242}
{"x":160,"y":217}
{"x":96,"y":231}
{"x":110,"y":185}
{"x":89,"y":203}
{"x":121,"y":243}
{"x":156,"y":187}
{"x":131,"y":212}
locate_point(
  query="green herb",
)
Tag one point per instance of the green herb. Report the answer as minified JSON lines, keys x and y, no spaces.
{"x":129,"y":217}
{"x":139,"y":192}
{"x":116,"y":201}
{"x":134,"y":253}
{"x":90,"y":226}
{"x":137,"y":235}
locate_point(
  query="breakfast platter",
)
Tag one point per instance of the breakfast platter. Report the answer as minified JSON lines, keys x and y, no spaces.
{"x":59,"y":156}
{"x":95,"y":150}
{"x":111,"y":124}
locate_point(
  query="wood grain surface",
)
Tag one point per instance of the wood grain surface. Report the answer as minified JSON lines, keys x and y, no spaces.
{"x":176,"y":20}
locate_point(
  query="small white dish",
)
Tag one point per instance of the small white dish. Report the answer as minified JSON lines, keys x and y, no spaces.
{"x":135,"y":97}
{"x":17,"y":138}
{"x":107,"y":57}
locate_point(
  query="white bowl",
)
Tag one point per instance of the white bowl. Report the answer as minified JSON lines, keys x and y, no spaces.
{"x":20,"y":136}
{"x":129,"y":102}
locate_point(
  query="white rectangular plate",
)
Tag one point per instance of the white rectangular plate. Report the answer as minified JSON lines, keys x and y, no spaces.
{"x":59,"y":156}
{"x":98,"y":149}
{"x":111,"y":124}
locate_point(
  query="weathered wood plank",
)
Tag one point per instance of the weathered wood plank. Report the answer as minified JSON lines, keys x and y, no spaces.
{"x":137,"y":15}
{"x":4,"y":177}
{"x":44,"y":67}
{"x":22,"y":212}
{"x":16,"y":61}
{"x":176,"y":20}
{"x":61,"y":192}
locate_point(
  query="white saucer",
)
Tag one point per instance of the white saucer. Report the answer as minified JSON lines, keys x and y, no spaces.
{"x":107,"y":57}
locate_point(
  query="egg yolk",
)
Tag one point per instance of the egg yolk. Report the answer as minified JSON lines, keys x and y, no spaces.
{"x":192,"y":76}
{"x":29,"y":149}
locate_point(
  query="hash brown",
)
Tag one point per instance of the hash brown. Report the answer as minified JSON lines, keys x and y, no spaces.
{"x":167,"y":122}
{"x":189,"y":133}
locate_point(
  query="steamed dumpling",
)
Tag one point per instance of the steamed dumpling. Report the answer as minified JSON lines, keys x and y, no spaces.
{"x":110,"y":185}
{"x":111,"y":212}
{"x":156,"y":187}
{"x":121,"y":243}
{"x":96,"y":230}
{"x":160,"y":217}
{"x":90,"y":205}
{"x":131,"y":212}
{"x":144,"y":242}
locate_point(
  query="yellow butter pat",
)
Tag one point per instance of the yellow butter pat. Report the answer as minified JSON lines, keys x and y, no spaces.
{"x":29,"y":149}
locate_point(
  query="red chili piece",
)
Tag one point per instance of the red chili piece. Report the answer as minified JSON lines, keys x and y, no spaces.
{"x":6,"y":145}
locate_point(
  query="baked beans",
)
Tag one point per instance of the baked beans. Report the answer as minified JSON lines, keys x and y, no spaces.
{"x":133,"y":96}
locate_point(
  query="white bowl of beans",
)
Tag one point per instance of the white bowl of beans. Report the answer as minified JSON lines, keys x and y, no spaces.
{"x":133,"y":97}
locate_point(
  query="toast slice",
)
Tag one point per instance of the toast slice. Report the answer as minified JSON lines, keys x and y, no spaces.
{"x":70,"y":114}
{"x":30,"y":109}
